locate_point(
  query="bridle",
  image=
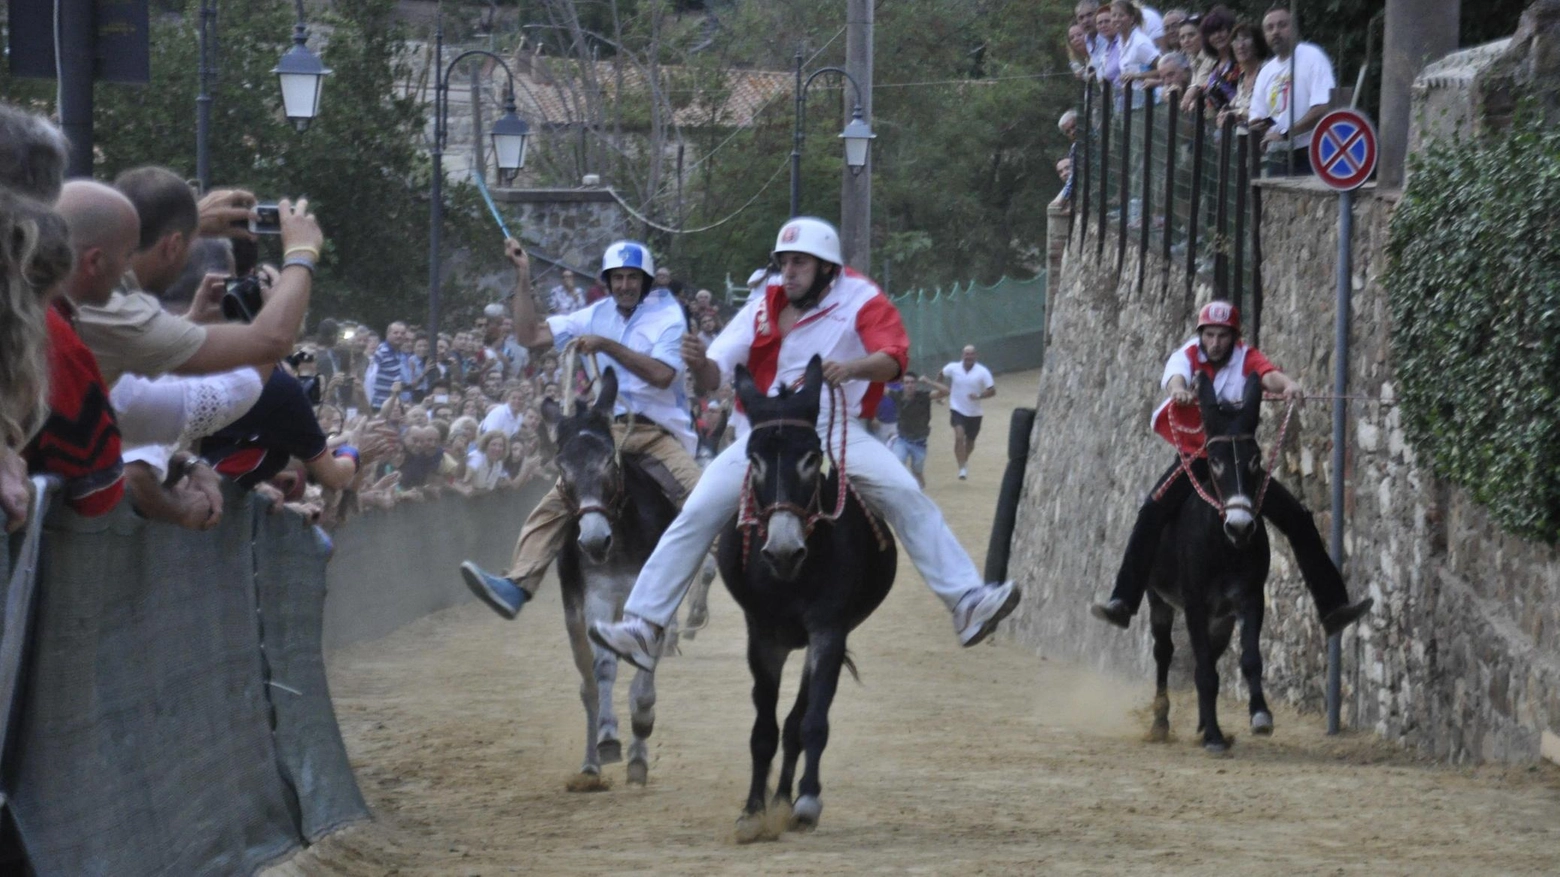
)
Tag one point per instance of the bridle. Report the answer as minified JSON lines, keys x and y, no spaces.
{"x":751,"y":517}
{"x":1219,"y":503}
{"x":614,"y":501}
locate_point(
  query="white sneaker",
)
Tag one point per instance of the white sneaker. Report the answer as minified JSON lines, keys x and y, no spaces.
{"x":633,"y":639}
{"x":981,"y":608}
{"x":964,"y":474}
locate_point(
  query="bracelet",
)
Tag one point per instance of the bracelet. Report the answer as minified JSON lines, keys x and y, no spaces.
{"x":302,"y":248}
{"x":349,"y":451}
{"x":305,"y":264}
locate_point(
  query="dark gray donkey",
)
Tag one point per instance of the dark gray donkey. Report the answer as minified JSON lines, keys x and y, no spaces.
{"x":1212,"y":564}
{"x":804,"y":580}
{"x":619,"y":514}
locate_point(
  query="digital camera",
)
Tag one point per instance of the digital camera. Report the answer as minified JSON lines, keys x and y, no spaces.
{"x":243,"y":298}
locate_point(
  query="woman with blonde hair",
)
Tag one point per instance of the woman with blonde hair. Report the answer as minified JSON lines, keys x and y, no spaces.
{"x":35,"y":258}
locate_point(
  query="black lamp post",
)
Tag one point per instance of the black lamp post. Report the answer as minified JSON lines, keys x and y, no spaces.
{"x":510,"y":135}
{"x":299,"y":70}
{"x":857,"y":134}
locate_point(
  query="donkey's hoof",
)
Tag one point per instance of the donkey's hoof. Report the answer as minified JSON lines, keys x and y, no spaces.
{"x":1159,"y":732}
{"x":609,"y":750}
{"x":588,"y":781}
{"x":1262,"y":723}
{"x":753,"y":827}
{"x":698,"y":619}
{"x":805,"y":813}
{"x":1217,"y":749}
{"x":638,"y":772}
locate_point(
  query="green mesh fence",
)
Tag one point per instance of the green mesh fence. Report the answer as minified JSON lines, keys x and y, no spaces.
{"x":1005,"y":322}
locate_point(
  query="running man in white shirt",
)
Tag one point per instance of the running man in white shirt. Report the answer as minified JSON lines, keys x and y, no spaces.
{"x":814,"y":306}
{"x":637,"y":332}
{"x":968,"y":383}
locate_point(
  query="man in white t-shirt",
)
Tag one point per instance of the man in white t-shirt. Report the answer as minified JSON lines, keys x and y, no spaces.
{"x":968,"y":383}
{"x":1272,"y":110}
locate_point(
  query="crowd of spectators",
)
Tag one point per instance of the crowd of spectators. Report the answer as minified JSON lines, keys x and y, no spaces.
{"x":147,"y":352}
{"x":1257,"y":73}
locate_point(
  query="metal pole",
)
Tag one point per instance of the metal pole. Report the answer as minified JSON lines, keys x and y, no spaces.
{"x":1174,"y":108}
{"x":1081,"y":179}
{"x":436,"y":186}
{"x":208,"y":15}
{"x":1194,"y":211}
{"x":1125,"y":184}
{"x":1146,"y":202}
{"x":75,"y":25}
{"x":796,"y":141}
{"x":856,"y":184}
{"x":1105,"y":97}
{"x":1340,"y":390}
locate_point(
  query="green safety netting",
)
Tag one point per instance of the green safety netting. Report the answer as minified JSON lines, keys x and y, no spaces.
{"x":1005,"y":322}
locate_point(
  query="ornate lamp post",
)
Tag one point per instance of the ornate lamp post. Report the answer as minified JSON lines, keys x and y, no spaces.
{"x":857,"y":134}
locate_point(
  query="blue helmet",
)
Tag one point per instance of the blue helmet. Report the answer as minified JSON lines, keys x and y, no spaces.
{"x":628,"y":254}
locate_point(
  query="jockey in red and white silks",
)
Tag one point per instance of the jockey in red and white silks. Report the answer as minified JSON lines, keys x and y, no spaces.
{"x":844,"y":318}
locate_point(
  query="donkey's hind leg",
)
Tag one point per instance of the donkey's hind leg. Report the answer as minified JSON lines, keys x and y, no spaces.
{"x":589,"y":778}
{"x":699,"y":598}
{"x":641,"y":706}
{"x":1251,"y":612}
{"x":1160,"y":617}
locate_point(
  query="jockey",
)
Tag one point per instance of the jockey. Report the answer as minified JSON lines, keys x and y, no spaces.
{"x":638,"y":332}
{"x":1218,"y":354}
{"x":813,"y":305}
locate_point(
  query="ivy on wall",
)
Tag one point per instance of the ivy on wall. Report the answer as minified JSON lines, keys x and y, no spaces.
{"x":1474,"y":283}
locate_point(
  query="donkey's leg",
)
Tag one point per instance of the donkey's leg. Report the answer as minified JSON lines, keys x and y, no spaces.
{"x":1161,"y":616}
{"x":589,"y":777}
{"x":766,"y":659}
{"x":699,"y":598}
{"x":641,"y":711}
{"x":1251,"y":612}
{"x":791,"y":738}
{"x":601,"y":607}
{"x":1206,"y":673}
{"x":826,"y":653}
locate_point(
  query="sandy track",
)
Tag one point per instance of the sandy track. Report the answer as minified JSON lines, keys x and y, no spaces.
{"x":463,"y":729}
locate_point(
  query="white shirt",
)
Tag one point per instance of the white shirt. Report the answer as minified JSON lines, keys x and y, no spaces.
{"x":654,"y":329}
{"x":1138,"y":52}
{"x":1153,"y":22}
{"x":962,"y":383}
{"x":1313,"y":86}
{"x":504,"y":420}
{"x":851,"y":320}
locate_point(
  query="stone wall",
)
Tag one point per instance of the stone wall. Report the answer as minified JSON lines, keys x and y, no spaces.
{"x":1460,"y":657}
{"x":573,"y":226}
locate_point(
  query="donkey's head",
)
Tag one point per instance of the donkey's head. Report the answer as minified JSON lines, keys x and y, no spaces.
{"x":785,"y":460}
{"x":1234,"y":458}
{"x":590,"y":475}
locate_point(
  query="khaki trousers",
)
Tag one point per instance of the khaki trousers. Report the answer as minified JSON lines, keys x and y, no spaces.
{"x":545,"y":530}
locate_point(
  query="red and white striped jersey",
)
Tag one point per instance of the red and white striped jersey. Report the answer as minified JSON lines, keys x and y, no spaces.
{"x":1229,"y":385}
{"x":852,"y":319}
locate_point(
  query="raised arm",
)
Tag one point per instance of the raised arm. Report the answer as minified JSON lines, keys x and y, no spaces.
{"x":530,"y":330}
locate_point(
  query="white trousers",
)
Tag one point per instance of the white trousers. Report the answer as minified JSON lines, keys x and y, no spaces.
{"x":883,"y":482}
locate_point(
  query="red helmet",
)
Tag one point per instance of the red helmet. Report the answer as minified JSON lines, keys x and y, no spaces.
{"x":1219,"y":313}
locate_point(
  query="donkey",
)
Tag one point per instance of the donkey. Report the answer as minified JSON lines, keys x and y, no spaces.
{"x":799,"y":586}
{"x":1212,"y":564}
{"x":620,"y":513}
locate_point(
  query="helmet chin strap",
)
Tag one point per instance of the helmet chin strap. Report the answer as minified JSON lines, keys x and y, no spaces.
{"x":820,"y":285}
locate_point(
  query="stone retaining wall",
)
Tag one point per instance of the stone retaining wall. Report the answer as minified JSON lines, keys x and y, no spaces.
{"x":1460,"y":658}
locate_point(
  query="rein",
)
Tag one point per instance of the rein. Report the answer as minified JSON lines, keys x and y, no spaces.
{"x":1186,"y":459}
{"x":750,"y":517}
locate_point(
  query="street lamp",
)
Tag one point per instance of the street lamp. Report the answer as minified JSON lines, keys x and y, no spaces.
{"x":302,"y":76}
{"x":299,"y":70}
{"x":510,"y":135}
{"x":857,"y":134}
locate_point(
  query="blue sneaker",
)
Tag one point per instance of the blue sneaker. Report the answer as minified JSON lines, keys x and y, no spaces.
{"x":503,"y":595}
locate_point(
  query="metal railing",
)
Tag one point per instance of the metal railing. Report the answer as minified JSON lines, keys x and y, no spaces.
{"x":1173,"y":183}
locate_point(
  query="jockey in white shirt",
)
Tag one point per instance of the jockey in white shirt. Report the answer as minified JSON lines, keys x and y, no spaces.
{"x":817,"y":307}
{"x":638,"y":331}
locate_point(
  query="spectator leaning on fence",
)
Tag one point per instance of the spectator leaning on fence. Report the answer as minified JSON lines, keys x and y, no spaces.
{"x":1136,"y":49}
{"x":390,"y":366}
{"x":1251,"y":52}
{"x":1277,"y":95}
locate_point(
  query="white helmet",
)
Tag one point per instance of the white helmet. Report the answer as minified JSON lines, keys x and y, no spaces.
{"x":810,"y":235}
{"x":628,"y":254}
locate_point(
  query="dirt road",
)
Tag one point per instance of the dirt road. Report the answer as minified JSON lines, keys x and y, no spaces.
{"x":463,"y":729}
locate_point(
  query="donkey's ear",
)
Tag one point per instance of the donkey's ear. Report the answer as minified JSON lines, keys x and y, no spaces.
{"x":747,"y":391}
{"x":580,"y":407}
{"x":1207,"y":399}
{"x":606,"y":396}
{"x":1251,"y":403}
{"x":812,"y":381}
